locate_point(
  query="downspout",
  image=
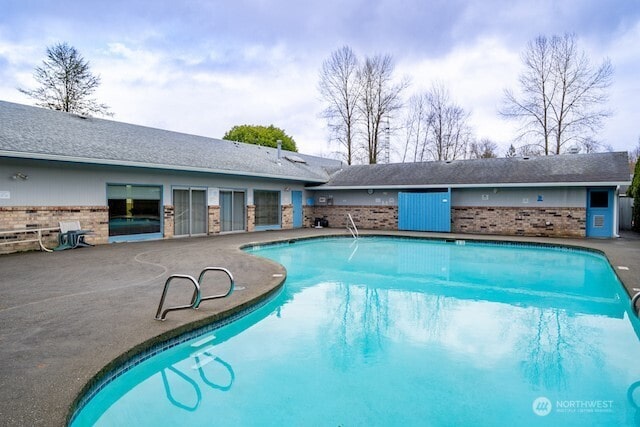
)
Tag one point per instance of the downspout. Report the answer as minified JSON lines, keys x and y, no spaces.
{"x":616,"y":212}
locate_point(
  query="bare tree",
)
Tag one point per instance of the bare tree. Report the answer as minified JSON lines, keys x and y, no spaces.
{"x":380,"y":99}
{"x":562,"y":96}
{"x":449,"y":132}
{"x":416,"y":129}
{"x":66,"y":83}
{"x":340,"y":89}
{"x":484,"y":149}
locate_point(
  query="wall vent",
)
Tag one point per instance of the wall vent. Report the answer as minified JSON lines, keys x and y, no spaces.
{"x":598,"y":221}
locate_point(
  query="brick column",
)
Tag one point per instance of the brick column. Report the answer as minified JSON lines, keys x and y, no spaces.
{"x":251,"y":217}
{"x":168,"y":217}
{"x":214,"y":220}
{"x":287,"y":217}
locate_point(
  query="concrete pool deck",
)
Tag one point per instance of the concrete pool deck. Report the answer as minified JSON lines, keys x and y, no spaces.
{"x":67,"y":316}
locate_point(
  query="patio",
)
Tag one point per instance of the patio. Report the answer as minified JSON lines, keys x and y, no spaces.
{"x":67,"y":316}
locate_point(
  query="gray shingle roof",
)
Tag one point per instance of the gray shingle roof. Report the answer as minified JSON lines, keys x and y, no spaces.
{"x":33,"y":132}
{"x":610,"y":168}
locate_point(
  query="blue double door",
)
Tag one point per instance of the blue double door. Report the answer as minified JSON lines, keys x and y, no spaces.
{"x":425,"y":211}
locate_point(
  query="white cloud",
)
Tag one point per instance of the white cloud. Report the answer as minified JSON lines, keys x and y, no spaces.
{"x":476,"y":76}
{"x":154,"y":89}
{"x":623,"y":129}
{"x":193,"y":69}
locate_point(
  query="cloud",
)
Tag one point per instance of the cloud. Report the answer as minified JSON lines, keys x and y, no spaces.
{"x":202,"y":67}
{"x":476,"y":76}
{"x":195,"y":94}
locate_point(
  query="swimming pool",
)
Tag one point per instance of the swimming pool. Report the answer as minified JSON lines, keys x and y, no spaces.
{"x":390,"y":331}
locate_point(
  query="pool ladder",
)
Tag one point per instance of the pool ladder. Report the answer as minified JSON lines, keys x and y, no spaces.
{"x":197,"y":297}
{"x":634,"y":301}
{"x":351,"y":226}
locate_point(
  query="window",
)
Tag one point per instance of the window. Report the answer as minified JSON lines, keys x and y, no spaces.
{"x":599,"y":199}
{"x":267,"y":208}
{"x":134,"y":209}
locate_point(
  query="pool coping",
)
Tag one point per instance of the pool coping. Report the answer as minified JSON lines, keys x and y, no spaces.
{"x":68,"y":380}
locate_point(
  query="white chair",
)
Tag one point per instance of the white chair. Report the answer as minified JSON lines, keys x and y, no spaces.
{"x":71,"y":235}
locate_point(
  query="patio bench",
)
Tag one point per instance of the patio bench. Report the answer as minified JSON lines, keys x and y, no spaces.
{"x":26,"y":235}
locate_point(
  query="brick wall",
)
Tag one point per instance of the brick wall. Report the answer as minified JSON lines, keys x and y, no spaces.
{"x":287,"y":217}
{"x":94,"y":218}
{"x":542,"y":222}
{"x":307,"y":216}
{"x":365,"y":217}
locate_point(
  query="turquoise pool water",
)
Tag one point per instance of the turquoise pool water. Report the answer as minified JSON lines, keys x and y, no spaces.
{"x":387,"y":331}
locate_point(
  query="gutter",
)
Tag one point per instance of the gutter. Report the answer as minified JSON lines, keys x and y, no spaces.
{"x":499,"y":185}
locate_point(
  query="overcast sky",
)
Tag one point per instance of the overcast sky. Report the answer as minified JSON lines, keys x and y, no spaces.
{"x":202,"y":67}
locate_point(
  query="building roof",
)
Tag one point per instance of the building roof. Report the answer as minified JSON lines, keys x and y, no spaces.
{"x":38,"y":133}
{"x":565,"y":170}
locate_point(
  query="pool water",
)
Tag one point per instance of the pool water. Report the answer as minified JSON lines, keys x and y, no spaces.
{"x":408,"y":332}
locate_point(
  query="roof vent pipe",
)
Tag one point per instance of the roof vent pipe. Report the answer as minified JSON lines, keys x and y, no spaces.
{"x":279,"y":142}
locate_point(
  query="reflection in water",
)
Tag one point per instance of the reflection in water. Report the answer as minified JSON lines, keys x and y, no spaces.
{"x":202,"y":359}
{"x":633,"y":396}
{"x":200,"y":364}
{"x":192,"y":383}
{"x":386,"y":332}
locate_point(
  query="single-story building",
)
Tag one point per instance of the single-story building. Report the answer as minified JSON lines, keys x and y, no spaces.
{"x":572,"y":195}
{"x":127,"y":182}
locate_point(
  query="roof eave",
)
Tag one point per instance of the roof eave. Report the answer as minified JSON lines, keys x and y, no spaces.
{"x":500,"y":185}
{"x":110,"y":162}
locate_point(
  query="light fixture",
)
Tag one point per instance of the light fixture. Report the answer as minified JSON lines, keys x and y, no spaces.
{"x":20,"y":175}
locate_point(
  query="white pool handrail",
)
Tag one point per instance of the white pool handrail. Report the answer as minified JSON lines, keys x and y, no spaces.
{"x":351,"y":226}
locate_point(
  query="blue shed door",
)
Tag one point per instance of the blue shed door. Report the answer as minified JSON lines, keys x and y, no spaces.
{"x":599,"y":212}
{"x":424,"y":211}
{"x":296,"y":200}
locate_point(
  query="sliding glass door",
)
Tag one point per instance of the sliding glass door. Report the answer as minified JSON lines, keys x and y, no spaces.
{"x":190,"y":211}
{"x":232,"y":210}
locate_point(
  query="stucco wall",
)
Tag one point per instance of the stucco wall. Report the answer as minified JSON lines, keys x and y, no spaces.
{"x":543,"y":197}
{"x":56,"y":191}
{"x":355,"y":198}
{"x":70,"y":184}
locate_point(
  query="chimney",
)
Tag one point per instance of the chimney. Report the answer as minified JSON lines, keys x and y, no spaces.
{"x":279,"y":142}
